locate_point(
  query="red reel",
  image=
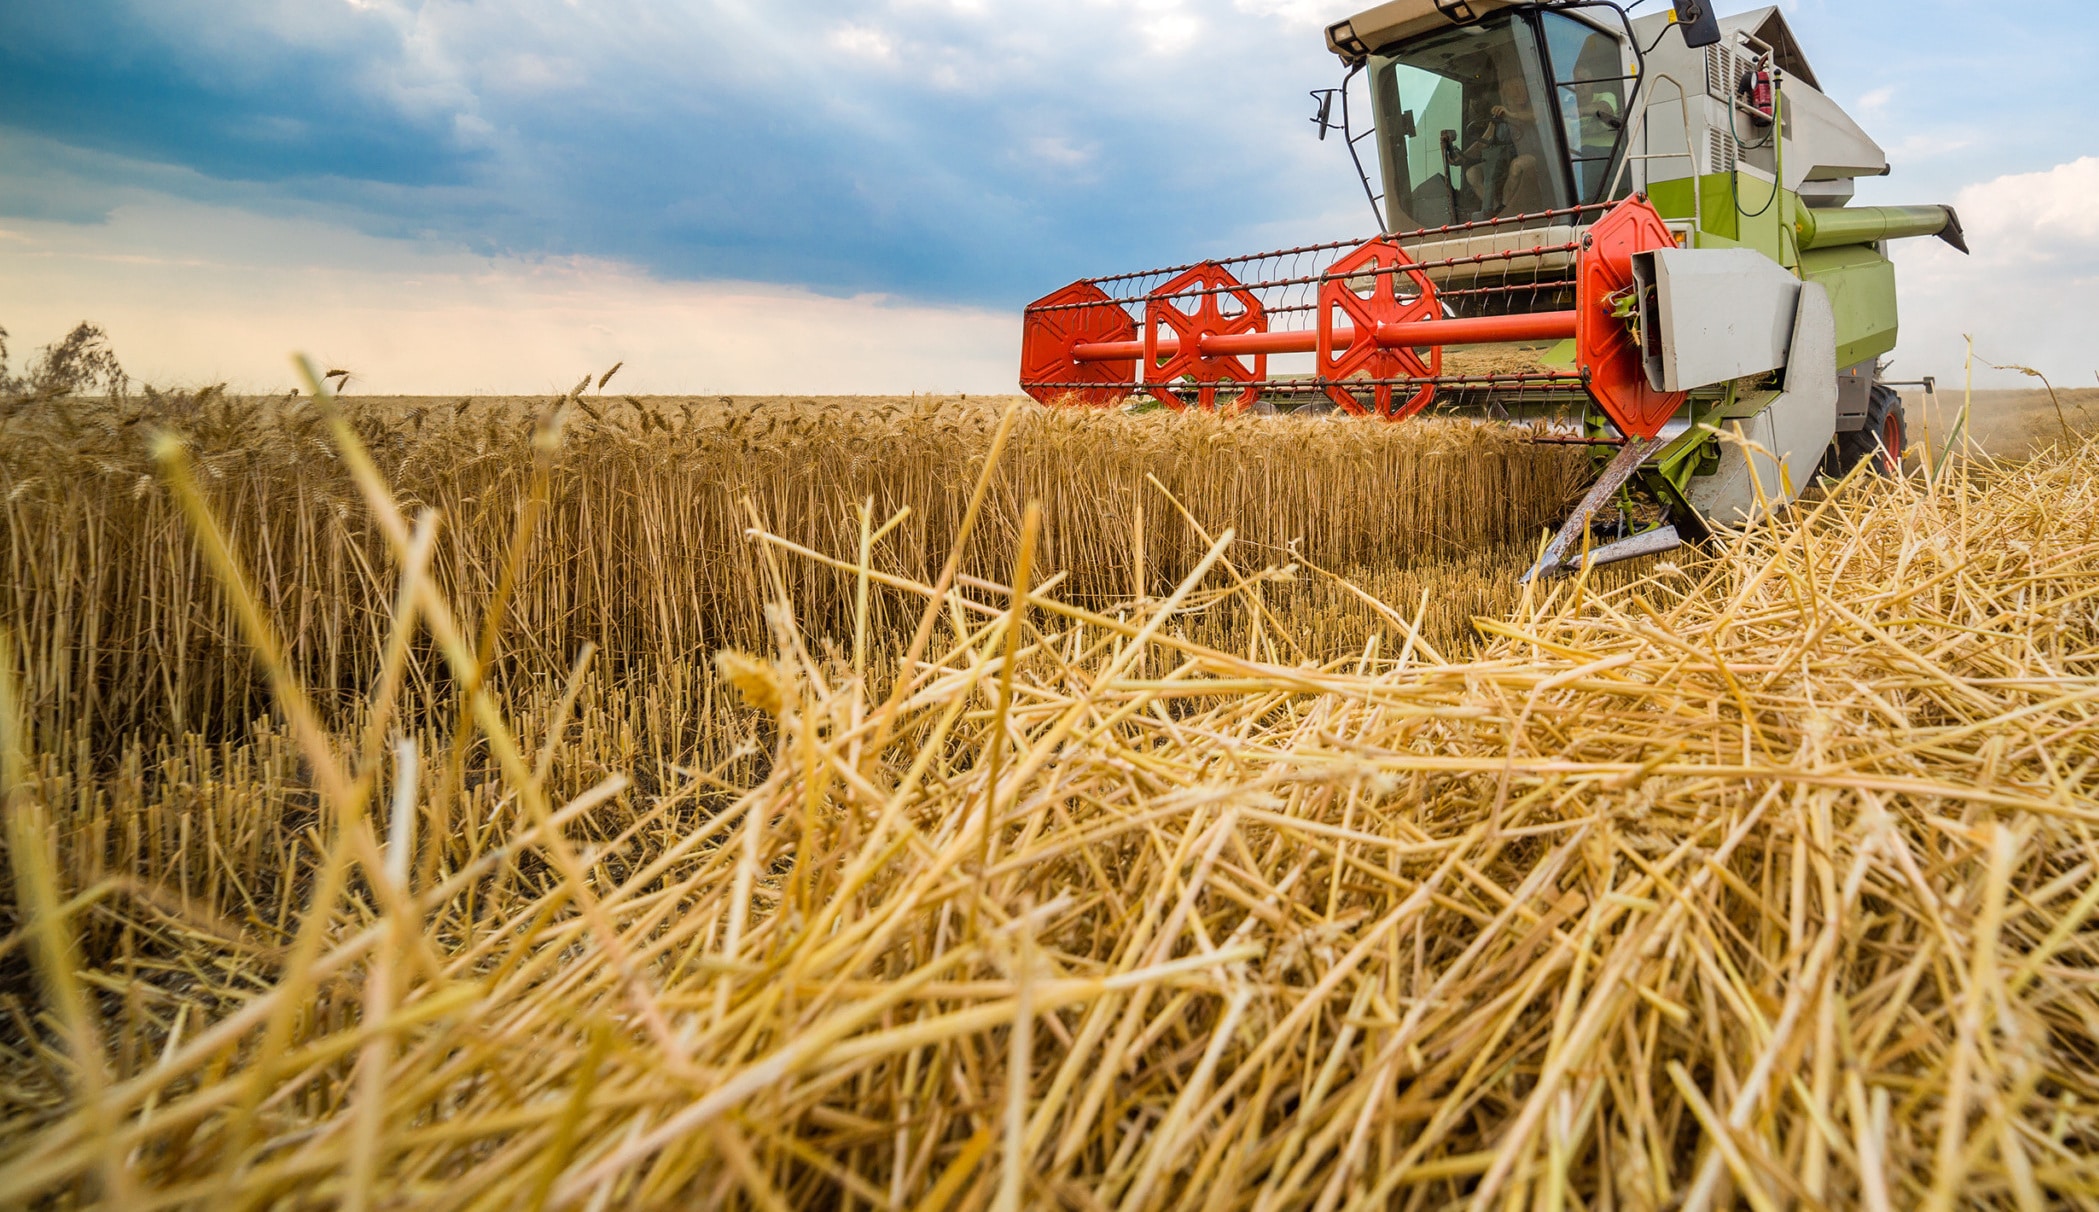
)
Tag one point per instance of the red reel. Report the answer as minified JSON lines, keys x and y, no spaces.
{"x":1399,"y":293}
{"x":1604,"y":343}
{"x":1190,"y":308}
{"x":1055,"y":325}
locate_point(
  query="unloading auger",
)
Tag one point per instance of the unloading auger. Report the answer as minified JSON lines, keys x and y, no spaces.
{"x":1634,"y":235}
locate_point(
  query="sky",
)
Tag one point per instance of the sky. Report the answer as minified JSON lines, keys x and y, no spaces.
{"x":455,"y":196}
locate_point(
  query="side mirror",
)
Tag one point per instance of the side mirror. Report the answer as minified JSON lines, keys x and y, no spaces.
{"x":1701,"y":26}
{"x":1324,"y":118}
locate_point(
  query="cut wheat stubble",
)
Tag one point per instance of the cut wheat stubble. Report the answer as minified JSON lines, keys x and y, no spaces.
{"x":1764,"y":879}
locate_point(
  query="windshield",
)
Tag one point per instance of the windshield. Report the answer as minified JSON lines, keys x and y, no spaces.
{"x":1471,"y":126}
{"x":1589,"y":83}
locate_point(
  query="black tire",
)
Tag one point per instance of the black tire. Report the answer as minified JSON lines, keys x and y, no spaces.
{"x":1882,"y":439}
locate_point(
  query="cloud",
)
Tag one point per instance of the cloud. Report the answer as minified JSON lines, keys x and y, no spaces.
{"x":1874,"y":102}
{"x":194,"y":294}
{"x":2026,"y":295}
{"x":2050,"y":216}
{"x":885,"y":145}
{"x":1166,"y":26}
{"x":1059,"y":151}
{"x":1304,"y":14}
{"x":240,"y":90}
{"x":863,"y":42}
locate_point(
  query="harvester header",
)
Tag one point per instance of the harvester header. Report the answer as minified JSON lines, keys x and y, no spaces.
{"x":1372,"y":317}
{"x":1630,"y":234}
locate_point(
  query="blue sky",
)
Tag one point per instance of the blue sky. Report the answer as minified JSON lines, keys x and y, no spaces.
{"x":240,"y":173}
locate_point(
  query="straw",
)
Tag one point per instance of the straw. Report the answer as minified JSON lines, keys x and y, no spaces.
{"x":1764,"y":877}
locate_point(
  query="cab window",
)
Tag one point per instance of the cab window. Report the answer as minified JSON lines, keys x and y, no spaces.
{"x":1467,"y":122}
{"x":1590,"y":86}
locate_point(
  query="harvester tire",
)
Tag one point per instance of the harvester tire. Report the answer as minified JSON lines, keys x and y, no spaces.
{"x":1882,"y":439}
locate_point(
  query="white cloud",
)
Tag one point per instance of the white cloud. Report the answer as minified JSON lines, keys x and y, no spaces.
{"x":1305,"y":14}
{"x":1163,"y":27}
{"x":1940,"y":145}
{"x":1875,"y":102}
{"x":863,"y":42}
{"x":2046,"y":216}
{"x":193,"y":294}
{"x":1170,"y":32}
{"x":529,"y":72}
{"x":1059,"y":151}
{"x":2030,"y":292}
{"x":472,"y":130}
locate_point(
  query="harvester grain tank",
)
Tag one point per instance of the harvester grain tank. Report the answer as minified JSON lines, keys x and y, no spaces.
{"x":1632,"y":234}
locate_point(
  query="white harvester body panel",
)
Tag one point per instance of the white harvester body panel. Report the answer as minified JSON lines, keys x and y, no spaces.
{"x":1398,"y":19}
{"x":1449,"y":257}
{"x":1783,"y":442}
{"x":1824,"y":145}
{"x":1715,"y":314}
{"x":1718,"y":134}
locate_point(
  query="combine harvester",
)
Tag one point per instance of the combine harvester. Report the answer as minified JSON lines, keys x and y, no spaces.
{"x":1633,"y":234}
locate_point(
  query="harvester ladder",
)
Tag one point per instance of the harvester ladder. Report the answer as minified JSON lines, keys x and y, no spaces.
{"x":1355,"y":154}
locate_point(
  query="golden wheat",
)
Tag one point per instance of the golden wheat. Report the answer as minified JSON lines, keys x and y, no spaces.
{"x":641,"y":548}
{"x":1765,"y":879}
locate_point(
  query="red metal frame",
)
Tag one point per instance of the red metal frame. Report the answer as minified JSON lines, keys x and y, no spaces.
{"x":1188,"y":355}
{"x":1465,"y":330}
{"x":1060,"y":322}
{"x":1605,"y":345}
{"x":1081,"y":343}
{"x":1361,"y":349}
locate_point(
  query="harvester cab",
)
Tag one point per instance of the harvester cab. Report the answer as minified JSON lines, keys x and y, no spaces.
{"x":1633,"y":235}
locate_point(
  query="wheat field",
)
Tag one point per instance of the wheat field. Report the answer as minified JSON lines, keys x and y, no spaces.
{"x":638,"y":531}
{"x":479,"y":806}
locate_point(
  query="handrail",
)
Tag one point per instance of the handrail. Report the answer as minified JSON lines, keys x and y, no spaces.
{"x":1690,"y":152}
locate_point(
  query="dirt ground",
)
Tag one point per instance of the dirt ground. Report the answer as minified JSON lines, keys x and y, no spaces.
{"x":2008,"y":424}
